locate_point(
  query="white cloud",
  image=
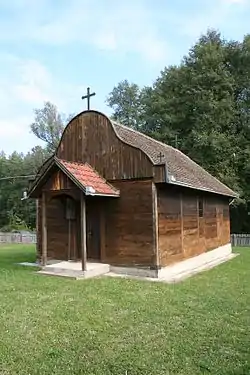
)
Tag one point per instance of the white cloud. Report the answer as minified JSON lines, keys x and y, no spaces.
{"x":35,"y":82}
{"x":26,"y":84}
{"x":215,"y":14}
{"x":15,"y":134}
{"x":117,"y":26}
{"x":13,"y":126}
{"x":238,"y":2}
{"x":106,"y":40}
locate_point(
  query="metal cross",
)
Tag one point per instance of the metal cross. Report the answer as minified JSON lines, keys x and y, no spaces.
{"x":88,"y":97}
{"x":160,"y":156}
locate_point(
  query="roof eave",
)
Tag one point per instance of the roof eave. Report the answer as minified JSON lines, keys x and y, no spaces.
{"x":39,"y":180}
{"x":105,"y":195}
{"x":81,"y":186}
{"x":230,"y":195}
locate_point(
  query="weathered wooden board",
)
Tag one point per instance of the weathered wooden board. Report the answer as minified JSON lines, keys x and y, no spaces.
{"x":129,"y":225}
{"x":59,"y":181}
{"x":187,"y":228}
{"x":63,"y":238}
{"x":91,"y":138}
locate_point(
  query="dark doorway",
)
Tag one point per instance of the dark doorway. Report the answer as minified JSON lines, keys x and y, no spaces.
{"x":93,"y":229}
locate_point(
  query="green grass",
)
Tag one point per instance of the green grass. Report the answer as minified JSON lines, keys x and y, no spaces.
{"x":110,"y":326}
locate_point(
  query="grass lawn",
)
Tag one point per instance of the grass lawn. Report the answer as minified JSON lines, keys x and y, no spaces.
{"x":107,"y":326}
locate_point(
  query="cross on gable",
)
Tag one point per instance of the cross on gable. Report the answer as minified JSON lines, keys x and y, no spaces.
{"x":160,"y":156}
{"x":88,"y":96}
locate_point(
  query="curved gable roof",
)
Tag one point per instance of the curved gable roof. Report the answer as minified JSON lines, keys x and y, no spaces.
{"x":183,"y":170}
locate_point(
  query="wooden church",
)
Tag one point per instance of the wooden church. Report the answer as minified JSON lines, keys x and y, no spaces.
{"x":115,"y":196}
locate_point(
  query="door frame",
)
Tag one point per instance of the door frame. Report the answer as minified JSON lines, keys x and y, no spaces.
{"x":99,"y":202}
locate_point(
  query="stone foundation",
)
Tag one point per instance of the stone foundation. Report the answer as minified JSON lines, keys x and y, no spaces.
{"x":182,"y":269}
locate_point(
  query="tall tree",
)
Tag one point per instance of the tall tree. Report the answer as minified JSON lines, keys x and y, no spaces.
{"x":195,"y":101}
{"x":15,"y":213}
{"x":125,"y":100}
{"x":49,"y":125}
{"x":192,"y":106}
{"x":202,"y":106}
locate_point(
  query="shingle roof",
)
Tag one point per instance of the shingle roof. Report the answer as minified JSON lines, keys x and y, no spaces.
{"x":88,"y":177}
{"x":184,"y":170}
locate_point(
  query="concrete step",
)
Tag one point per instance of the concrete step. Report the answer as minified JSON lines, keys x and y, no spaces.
{"x":93,"y":270}
{"x":60,"y":274}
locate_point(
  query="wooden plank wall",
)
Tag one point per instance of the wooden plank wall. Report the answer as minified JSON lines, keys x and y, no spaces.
{"x":59,"y":181}
{"x":39,"y":230}
{"x":170,"y":226}
{"x":91,"y":138}
{"x":184,"y":229}
{"x":57,"y":235}
{"x":190,"y":219}
{"x":58,"y":239}
{"x":129,"y":225}
{"x":57,"y":225}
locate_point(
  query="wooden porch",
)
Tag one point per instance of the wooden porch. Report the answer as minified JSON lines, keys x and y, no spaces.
{"x":71,"y":200}
{"x":82,"y":237}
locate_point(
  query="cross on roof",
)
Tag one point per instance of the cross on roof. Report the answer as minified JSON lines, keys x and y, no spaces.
{"x":88,"y":97}
{"x":160,"y":156}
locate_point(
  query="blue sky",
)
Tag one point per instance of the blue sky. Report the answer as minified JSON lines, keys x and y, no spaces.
{"x":53,"y":49}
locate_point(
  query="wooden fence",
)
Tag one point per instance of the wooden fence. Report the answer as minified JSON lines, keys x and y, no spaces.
{"x":240,"y":240}
{"x":236,"y":239}
{"x":17,"y":238}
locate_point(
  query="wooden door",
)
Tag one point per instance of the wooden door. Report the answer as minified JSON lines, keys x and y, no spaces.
{"x":93,"y":229}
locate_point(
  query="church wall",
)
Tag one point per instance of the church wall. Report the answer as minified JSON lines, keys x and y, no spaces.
{"x":190,"y":223}
{"x":90,"y":138}
{"x":39,"y":229}
{"x":58,"y":231}
{"x":128,"y":233}
{"x":56,"y":186}
{"x":129,"y":225}
{"x":59,"y":181}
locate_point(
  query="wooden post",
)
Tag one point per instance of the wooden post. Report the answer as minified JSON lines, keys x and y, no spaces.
{"x":44,"y":230}
{"x":83,"y":233}
{"x":157,"y":255}
{"x":38,"y":255}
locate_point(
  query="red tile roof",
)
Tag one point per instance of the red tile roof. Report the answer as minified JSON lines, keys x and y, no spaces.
{"x":88,"y":177}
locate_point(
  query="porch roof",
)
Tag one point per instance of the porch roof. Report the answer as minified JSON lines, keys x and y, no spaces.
{"x":82,"y":175}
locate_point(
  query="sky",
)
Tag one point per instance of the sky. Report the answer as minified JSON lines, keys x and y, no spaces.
{"x":52,"y":50}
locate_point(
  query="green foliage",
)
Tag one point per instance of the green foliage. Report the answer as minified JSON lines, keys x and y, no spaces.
{"x":202,"y":107}
{"x":49,"y":125}
{"x":15,"y":223}
{"x":125,"y":100}
{"x":14,"y":212}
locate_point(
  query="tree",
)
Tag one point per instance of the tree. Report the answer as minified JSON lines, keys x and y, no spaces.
{"x":195,"y":101}
{"x":15,"y":213}
{"x":49,"y":125}
{"x":125,"y":100}
{"x":202,"y":106}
